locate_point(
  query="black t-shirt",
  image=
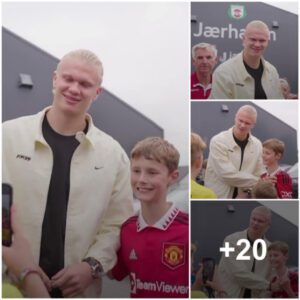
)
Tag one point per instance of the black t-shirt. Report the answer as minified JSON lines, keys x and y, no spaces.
{"x":257,"y":75}
{"x":54,"y":223}
{"x":242,"y":145}
{"x":248,"y":292}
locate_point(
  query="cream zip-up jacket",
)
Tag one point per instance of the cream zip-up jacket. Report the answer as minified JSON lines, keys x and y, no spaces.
{"x":224,"y":171}
{"x":235,"y":275}
{"x":232,"y":81}
{"x":100,"y":197}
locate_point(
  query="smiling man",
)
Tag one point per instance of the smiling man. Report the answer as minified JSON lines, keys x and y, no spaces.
{"x":70,"y":180}
{"x":248,"y":75}
{"x":235,"y":157}
{"x":204,"y":60}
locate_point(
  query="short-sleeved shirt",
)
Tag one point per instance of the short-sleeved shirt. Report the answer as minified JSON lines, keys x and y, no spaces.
{"x":198,"y":90}
{"x":155,"y":257}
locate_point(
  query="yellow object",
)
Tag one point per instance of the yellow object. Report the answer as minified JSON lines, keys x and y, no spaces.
{"x":198,"y":294}
{"x":10,"y":291}
{"x":199,"y":191}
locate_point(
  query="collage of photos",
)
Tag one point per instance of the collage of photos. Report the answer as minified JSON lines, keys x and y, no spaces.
{"x":244,"y":151}
{"x":150,"y":149}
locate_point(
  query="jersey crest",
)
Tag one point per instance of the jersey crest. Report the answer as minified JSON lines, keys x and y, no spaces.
{"x":173,"y":255}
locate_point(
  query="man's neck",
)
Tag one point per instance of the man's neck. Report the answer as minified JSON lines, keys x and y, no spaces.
{"x":252,"y":62}
{"x":252,"y":236}
{"x":153,"y":212}
{"x":203,"y":78}
{"x":63,"y":124}
{"x":239,"y":136}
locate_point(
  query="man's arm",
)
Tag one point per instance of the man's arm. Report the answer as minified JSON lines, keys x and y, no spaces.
{"x":107,"y":240}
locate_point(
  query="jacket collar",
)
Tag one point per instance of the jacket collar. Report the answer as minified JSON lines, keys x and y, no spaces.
{"x":80,"y":135}
{"x":231,"y":140}
{"x":162,"y":224}
{"x":242,"y":69}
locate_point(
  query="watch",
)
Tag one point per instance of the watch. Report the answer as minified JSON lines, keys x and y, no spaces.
{"x":96,"y":267}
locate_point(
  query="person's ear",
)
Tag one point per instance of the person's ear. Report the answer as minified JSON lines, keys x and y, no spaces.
{"x":173,"y":176}
{"x":98,"y":92}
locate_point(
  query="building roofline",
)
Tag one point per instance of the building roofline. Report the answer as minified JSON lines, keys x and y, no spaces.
{"x":29,"y":43}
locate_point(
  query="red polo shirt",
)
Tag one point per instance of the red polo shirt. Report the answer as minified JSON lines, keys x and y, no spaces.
{"x":198,"y":90}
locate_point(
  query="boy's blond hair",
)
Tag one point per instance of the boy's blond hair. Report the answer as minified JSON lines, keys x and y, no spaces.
{"x":283,"y":247}
{"x":264,"y":190}
{"x":158,"y":149}
{"x":197,"y":146}
{"x":274,"y":144}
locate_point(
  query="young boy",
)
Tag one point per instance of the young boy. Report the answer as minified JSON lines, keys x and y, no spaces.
{"x":285,"y":282}
{"x":198,"y":191}
{"x":272,"y":152}
{"x":154,"y":243}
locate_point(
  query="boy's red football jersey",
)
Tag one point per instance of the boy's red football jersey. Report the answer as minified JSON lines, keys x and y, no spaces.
{"x":155,"y":257}
{"x":283,"y":184}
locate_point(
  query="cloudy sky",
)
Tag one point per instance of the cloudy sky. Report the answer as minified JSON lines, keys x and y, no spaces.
{"x":144,"y":47}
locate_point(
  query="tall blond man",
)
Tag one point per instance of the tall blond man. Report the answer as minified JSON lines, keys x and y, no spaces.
{"x":248,"y":75}
{"x":235,"y":157}
{"x":71,"y":181}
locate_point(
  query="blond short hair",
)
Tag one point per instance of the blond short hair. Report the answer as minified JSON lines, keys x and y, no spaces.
{"x":249,"y":109}
{"x":88,"y":57}
{"x":274,"y":144}
{"x":283,"y":247}
{"x":259,"y":25}
{"x":264,"y":211}
{"x":197,"y":146}
{"x":158,"y":149}
{"x":264,"y":190}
